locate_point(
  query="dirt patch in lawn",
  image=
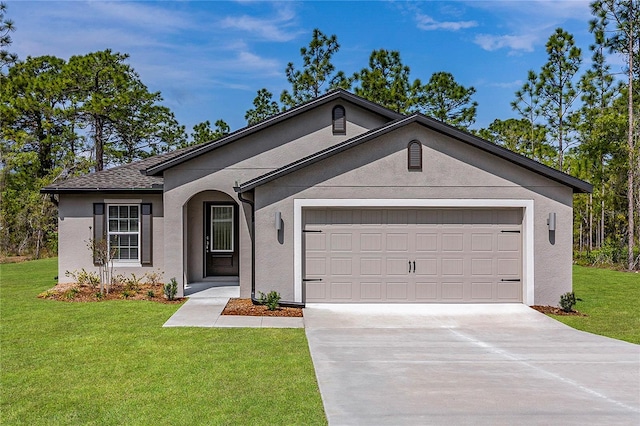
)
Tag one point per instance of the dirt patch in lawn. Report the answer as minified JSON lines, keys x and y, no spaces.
{"x":246,"y":308}
{"x":557,"y":311}
{"x":71,"y":292}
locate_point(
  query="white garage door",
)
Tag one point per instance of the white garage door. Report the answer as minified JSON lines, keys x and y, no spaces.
{"x":412,"y":255}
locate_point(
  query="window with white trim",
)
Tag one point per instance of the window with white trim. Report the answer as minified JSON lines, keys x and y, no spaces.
{"x":123,"y":228}
{"x":221,"y":229}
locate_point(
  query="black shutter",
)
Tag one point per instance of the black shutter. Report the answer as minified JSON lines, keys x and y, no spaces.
{"x":414,"y":155}
{"x":99,"y":229}
{"x":339,"y":121}
{"x":146,"y":235}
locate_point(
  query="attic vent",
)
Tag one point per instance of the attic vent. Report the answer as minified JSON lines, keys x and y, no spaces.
{"x":414,"y":155}
{"x":339,"y":121}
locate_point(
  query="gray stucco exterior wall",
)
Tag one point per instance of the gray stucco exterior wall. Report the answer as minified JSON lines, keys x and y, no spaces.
{"x":451,"y":170}
{"x":75,"y":222}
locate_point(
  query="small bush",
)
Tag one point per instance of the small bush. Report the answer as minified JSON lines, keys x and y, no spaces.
{"x":154,"y":278}
{"x":126,"y":294}
{"x":567,"y":301}
{"x":271,"y":300}
{"x":150,"y":294}
{"x":84,"y":278}
{"x":171,"y":289}
{"x":71,"y":293}
{"x":132,"y":283}
{"x":48,"y":294}
{"x":99,"y":295}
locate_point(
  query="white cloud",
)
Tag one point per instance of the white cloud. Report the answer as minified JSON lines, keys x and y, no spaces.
{"x":427,"y":23}
{"x":279,"y":28}
{"x":524,"y":42}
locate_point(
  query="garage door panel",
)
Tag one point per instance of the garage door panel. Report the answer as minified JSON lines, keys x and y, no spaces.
{"x":481,"y":267}
{"x":508,"y":291}
{"x":371,"y":291}
{"x":426,"y":291}
{"x":482,"y":241}
{"x":427,"y":242}
{"x":509,"y":241}
{"x":397,"y":290}
{"x":426,"y":267}
{"x":452,"y":242}
{"x":482,"y":291}
{"x":341,"y":290}
{"x":370,"y":241}
{"x":371,"y":266}
{"x":452,"y":290}
{"x":341,"y":266}
{"x":397,"y":242}
{"x":413,"y":255}
{"x":397,"y":266}
{"x":508,"y":267}
{"x":341,"y":242}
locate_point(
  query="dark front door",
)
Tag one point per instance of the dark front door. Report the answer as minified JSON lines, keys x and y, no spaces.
{"x":221,"y":239}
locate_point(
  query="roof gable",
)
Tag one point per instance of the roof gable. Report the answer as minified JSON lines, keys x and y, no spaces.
{"x":338,"y":94}
{"x":576,"y":184}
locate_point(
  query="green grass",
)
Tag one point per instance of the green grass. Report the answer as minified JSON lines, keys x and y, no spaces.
{"x":112,"y":363}
{"x":611,"y":300}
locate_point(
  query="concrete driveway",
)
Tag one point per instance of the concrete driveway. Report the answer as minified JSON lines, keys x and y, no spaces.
{"x":471,"y":364}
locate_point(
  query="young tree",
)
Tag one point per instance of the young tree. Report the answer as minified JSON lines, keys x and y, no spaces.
{"x":527,"y":105}
{"x":6,"y":28}
{"x":316,"y":75}
{"x":265,"y":107}
{"x":556,"y":87}
{"x":386,"y":82}
{"x":202,"y":131}
{"x":125,"y":119}
{"x":518,"y":136}
{"x":443,"y":98}
{"x":619,"y":20}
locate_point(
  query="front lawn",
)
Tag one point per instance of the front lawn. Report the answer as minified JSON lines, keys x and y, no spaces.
{"x":611,"y":301}
{"x":112,"y":363}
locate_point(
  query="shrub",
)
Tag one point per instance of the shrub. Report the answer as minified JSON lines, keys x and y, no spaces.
{"x":150,"y":294}
{"x":132,"y":283}
{"x":271,"y":300}
{"x":83,"y":277}
{"x":171,"y":289}
{"x":154,"y":278}
{"x":71,"y":293}
{"x":126,"y":294}
{"x":567,"y":301}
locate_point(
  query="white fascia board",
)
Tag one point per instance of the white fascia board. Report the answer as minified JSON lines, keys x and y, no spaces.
{"x":528,"y":289}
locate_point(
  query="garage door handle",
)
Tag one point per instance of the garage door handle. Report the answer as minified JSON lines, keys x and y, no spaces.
{"x":409,"y":266}
{"x":311,"y":230}
{"x":414,"y":266}
{"x":515,"y":280}
{"x":311,"y":279}
{"x":510,"y":232}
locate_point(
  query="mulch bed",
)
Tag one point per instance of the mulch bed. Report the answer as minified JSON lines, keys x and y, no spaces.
{"x":71,"y":292}
{"x":557,"y":311}
{"x":246,"y":308}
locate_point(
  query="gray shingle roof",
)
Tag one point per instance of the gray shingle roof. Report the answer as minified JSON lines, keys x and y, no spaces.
{"x":126,"y":178}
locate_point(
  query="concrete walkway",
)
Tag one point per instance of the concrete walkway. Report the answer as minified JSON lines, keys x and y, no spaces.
{"x":206,"y":303}
{"x":467,"y":364}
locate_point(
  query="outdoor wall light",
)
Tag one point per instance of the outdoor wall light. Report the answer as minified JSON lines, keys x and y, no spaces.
{"x":552,"y":221}
{"x":278,"y":221}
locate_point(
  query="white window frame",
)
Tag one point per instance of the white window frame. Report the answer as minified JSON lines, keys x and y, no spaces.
{"x":231,"y":220}
{"x":128,"y":262}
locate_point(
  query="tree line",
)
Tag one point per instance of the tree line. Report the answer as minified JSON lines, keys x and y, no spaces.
{"x":65,"y":118}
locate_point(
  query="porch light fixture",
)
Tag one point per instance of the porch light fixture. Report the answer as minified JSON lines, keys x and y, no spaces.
{"x":278,"y":221}
{"x":551,"y":221}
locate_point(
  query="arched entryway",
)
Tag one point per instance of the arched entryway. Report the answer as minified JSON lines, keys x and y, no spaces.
{"x":212,"y":238}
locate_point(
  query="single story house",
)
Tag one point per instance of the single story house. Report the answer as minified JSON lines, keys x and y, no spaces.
{"x":338,"y":200}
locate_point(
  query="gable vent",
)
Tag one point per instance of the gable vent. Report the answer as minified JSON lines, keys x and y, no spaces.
{"x":339,"y":120}
{"x":414,"y":155}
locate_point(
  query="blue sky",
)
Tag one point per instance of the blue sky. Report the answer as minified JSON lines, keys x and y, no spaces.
{"x":209,"y":58}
